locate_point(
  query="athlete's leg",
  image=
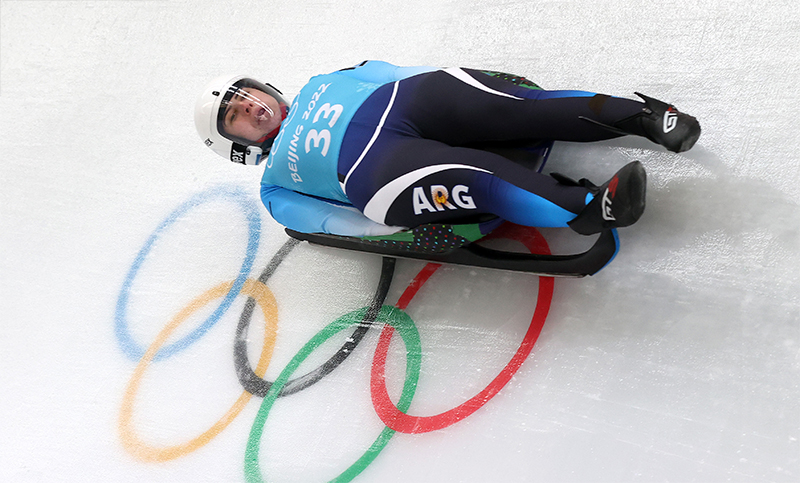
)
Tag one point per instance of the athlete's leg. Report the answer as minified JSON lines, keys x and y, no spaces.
{"x":463,"y":106}
{"x":457,"y":193}
{"x":409,"y":181}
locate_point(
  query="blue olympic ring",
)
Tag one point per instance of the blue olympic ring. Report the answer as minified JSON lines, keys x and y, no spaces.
{"x":129,"y":346}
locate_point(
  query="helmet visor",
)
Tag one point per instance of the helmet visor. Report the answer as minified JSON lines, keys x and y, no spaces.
{"x":251,"y":113}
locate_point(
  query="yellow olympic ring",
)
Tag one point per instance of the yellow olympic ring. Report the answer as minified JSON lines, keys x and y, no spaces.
{"x":266,"y":300}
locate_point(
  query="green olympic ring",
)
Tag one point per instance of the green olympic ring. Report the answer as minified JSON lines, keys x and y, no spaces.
{"x":393,"y":316}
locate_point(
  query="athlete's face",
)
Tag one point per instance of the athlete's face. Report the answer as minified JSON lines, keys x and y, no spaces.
{"x":251,"y":114}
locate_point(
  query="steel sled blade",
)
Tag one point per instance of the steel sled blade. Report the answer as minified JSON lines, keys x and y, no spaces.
{"x":473,"y":255}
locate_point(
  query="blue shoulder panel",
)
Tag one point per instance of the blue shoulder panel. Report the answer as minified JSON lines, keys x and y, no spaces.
{"x":381,"y":72}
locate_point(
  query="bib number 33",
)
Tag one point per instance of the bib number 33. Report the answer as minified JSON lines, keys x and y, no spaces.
{"x":321,"y":140}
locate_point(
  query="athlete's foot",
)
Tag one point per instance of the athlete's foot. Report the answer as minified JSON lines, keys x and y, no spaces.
{"x":618,"y":203}
{"x":663,"y":124}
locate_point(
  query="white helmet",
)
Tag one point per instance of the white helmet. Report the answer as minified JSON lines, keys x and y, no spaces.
{"x":210,"y":111}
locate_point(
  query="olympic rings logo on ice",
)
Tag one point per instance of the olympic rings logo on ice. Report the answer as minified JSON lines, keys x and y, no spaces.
{"x":394,"y":319}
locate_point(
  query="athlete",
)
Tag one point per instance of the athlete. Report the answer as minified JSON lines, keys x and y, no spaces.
{"x":375,"y":149}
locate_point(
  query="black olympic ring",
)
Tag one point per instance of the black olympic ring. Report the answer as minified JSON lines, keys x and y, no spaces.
{"x":257,"y":386}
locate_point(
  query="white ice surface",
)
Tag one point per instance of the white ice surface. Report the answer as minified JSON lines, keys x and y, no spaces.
{"x":679,"y":362}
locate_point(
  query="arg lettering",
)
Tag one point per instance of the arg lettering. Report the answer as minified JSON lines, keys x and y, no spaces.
{"x":441,"y":199}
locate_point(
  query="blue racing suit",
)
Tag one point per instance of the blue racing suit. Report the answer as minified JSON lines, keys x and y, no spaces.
{"x":377,"y":148}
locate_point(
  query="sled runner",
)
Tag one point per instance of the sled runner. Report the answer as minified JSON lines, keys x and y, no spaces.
{"x":456,"y":244}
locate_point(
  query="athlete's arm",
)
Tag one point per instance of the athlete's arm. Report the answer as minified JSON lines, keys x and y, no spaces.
{"x":312,"y":215}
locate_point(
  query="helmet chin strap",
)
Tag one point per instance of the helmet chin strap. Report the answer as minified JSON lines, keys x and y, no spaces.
{"x":253,"y":155}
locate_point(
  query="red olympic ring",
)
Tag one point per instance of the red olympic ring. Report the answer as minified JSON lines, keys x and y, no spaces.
{"x":405,"y":423}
